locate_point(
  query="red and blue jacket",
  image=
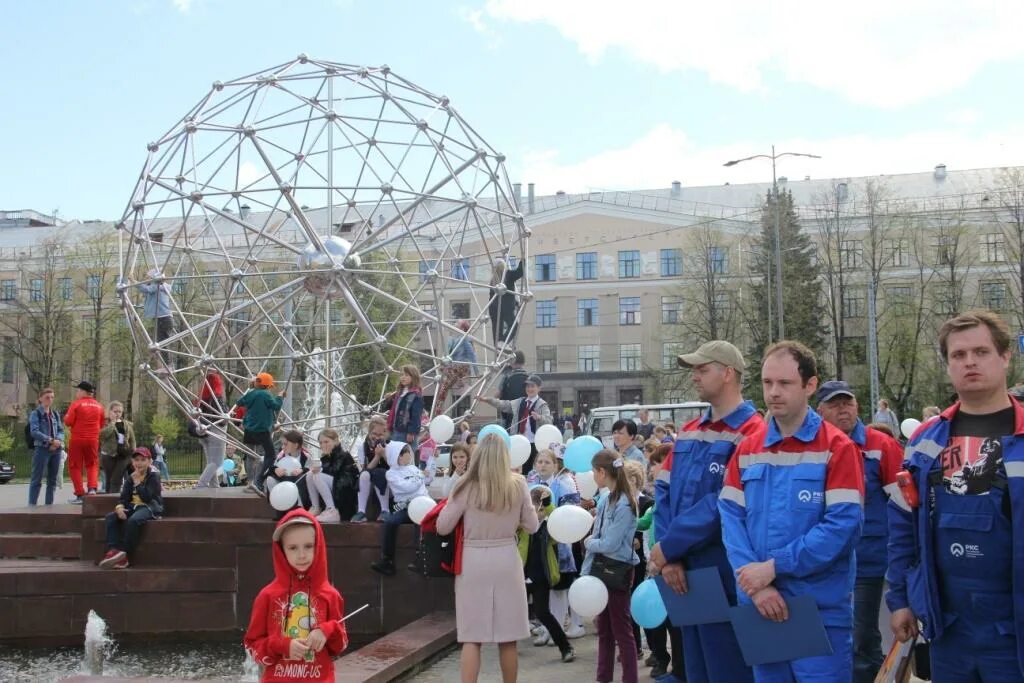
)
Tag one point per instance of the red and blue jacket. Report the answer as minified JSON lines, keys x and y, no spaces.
{"x":686,"y":520}
{"x":798,"y":500}
{"x":912,"y":576}
{"x":883,"y":458}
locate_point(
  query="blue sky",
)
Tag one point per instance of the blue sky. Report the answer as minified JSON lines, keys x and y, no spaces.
{"x":578,"y":95}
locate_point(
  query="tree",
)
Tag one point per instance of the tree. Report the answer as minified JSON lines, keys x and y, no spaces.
{"x":805,"y":315}
{"x":838,"y":254}
{"x":954,"y":259}
{"x":95,"y":260}
{"x":1008,"y":214}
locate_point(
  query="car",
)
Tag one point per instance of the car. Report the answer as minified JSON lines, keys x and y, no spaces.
{"x":6,"y":472}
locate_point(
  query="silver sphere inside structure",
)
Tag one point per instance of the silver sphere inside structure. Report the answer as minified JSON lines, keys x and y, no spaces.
{"x":327,"y":223}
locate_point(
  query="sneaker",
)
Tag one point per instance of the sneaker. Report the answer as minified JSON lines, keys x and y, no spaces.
{"x":91,"y":492}
{"x":574,"y":632}
{"x":315,"y":511}
{"x":569,"y":656}
{"x":651,"y":660}
{"x":659,"y":669}
{"x":329,"y":515}
{"x":112,"y":558}
{"x":76,"y":500}
{"x":358,"y":518}
{"x":542,"y":639}
{"x":385,"y":567}
{"x":123,"y":564}
{"x":254,"y":489}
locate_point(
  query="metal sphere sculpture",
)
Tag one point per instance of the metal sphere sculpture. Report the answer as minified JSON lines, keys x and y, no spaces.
{"x":327,"y":223}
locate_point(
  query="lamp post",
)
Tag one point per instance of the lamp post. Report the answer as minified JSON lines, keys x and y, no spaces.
{"x":778,"y":250}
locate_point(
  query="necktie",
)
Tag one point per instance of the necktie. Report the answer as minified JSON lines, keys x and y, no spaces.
{"x":524,"y":415}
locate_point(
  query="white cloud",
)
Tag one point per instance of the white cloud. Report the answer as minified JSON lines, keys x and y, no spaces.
{"x":664,"y":154}
{"x":182,"y":6}
{"x":475,"y":18}
{"x":964,"y":117}
{"x":884,"y":53}
{"x":248,"y":173}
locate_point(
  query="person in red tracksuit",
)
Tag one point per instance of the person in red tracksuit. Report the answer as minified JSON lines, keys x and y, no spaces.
{"x":295,"y":630}
{"x":85,"y":417}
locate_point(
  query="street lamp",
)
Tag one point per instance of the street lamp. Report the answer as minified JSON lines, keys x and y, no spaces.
{"x":778,"y":251}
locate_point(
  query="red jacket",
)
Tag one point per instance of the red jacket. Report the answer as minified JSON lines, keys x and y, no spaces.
{"x":289,"y":607}
{"x":429,"y":525}
{"x":85,"y":416}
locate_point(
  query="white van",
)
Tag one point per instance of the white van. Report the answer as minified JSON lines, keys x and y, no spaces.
{"x":602,"y":419}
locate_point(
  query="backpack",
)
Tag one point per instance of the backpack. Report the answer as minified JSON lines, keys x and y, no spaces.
{"x":29,"y":441}
{"x":436,"y":554}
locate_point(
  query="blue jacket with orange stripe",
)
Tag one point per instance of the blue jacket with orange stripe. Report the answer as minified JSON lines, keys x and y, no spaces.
{"x":799,"y":501}
{"x":686,"y":520}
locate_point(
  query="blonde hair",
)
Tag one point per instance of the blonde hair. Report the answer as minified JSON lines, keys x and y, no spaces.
{"x":619,"y":483}
{"x":489,"y":479}
{"x":636,"y":474}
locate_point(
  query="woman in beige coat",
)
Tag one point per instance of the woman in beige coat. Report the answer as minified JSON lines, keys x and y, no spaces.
{"x":490,"y":593}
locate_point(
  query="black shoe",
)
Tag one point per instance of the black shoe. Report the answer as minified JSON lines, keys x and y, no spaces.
{"x":414,"y":567}
{"x":385,"y":567}
{"x":569,"y":656}
{"x":659,"y":669}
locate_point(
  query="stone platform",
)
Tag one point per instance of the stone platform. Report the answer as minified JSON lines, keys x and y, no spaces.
{"x":195,"y":574}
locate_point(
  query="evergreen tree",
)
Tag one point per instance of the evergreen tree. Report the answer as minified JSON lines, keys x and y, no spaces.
{"x":805,"y":313}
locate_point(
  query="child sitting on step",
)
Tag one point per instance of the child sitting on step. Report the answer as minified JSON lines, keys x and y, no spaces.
{"x":141,"y":500}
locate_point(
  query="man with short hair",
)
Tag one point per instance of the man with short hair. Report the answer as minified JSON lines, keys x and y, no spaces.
{"x":882,"y":459}
{"x":623,"y":436}
{"x":47,"y":433}
{"x":792,"y":507}
{"x":687,"y":524}
{"x":956,"y":523}
{"x":644,"y":426}
{"x":85,"y":417}
{"x":530,"y":412}
{"x":513,"y":384}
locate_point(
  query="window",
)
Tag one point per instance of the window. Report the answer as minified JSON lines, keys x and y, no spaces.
{"x":35,"y":289}
{"x":851,"y":253}
{"x":547,"y":314}
{"x":671,"y":262}
{"x":629,"y":263}
{"x":670,"y":352}
{"x":460,"y":310}
{"x":719,"y":258}
{"x":945,"y":250}
{"x":994,"y":295}
{"x":92,"y":286}
{"x":899,"y":299}
{"x":460,"y":269}
{"x":588,"y":358}
{"x":426,"y":267}
{"x":179,"y":287}
{"x":722,"y":304}
{"x":586,"y":265}
{"x":629,"y":310}
{"x":993,"y":248}
{"x":8,"y":290}
{"x":855,"y":350}
{"x":586,"y":312}
{"x":895,"y":252}
{"x":945,"y":300}
{"x":547,"y":358}
{"x":671,"y":310}
{"x":629,"y":357}
{"x":545,"y":268}
{"x":854,"y":302}
{"x":65,"y":288}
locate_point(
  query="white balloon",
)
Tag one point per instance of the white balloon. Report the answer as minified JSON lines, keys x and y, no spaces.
{"x":569,"y":523}
{"x":519,"y":451}
{"x":419,"y":507}
{"x":284,"y":496}
{"x":586,"y":484}
{"x":909,"y":426}
{"x":547,"y":435}
{"x":289,"y":464}
{"x":588,"y":596}
{"x":441,"y":428}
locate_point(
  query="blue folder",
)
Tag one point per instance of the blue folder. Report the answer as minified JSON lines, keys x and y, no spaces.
{"x":704,"y":602}
{"x":763,"y":641}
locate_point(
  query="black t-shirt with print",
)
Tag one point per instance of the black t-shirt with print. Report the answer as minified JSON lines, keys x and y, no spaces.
{"x":975,"y":451}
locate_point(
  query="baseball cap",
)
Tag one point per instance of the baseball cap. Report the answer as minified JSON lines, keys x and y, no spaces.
{"x":832,"y":388}
{"x":717,"y":351}
{"x":534,"y":379}
{"x":265,"y":379}
{"x":298,"y":519}
{"x":143,"y":451}
{"x":86,"y":386}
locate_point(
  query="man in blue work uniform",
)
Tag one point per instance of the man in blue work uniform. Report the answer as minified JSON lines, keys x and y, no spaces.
{"x":956,"y":534}
{"x":792,"y":508}
{"x":687,"y":524}
{"x":883,"y":459}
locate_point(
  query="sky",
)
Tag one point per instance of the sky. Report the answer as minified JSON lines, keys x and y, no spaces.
{"x":579,"y":95}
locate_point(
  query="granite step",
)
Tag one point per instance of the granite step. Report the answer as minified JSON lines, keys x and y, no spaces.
{"x":62,"y":545}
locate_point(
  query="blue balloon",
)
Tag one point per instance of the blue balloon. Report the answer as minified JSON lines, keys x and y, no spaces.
{"x":229,"y":465}
{"x":580,"y":452}
{"x":646,"y":605}
{"x":495,"y":429}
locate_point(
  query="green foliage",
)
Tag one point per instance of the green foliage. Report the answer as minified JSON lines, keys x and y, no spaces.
{"x":168,"y":425}
{"x":7,"y":439}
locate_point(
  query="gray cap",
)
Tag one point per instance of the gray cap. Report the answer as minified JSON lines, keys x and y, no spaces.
{"x":534,"y":379}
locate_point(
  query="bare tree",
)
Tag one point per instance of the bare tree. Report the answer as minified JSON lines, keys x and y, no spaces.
{"x":954,"y":257}
{"x":707,"y":290}
{"x":1008,"y":213}
{"x":94,"y":260}
{"x":838,"y":255}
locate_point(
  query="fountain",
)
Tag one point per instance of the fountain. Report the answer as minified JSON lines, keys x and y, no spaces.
{"x":97,"y":644}
{"x":319,"y":406}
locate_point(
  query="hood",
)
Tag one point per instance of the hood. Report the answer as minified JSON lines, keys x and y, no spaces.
{"x":392,"y":451}
{"x":284,"y":574}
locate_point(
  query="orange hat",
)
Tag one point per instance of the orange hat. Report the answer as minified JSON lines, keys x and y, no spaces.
{"x":265,"y":380}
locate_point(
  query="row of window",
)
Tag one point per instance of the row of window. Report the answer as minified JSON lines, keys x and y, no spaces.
{"x":588,"y":358}
{"x":900,"y":299}
{"x":670,"y":264}
{"x":896,"y":252}
{"x":65,"y":289}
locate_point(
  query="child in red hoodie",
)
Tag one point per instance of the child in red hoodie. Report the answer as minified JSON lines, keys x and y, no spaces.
{"x":295,"y":630}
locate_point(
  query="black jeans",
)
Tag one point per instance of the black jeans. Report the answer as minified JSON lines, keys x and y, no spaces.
{"x":389,"y":533}
{"x":867,"y":640}
{"x":266,"y":442}
{"x":657,"y":638}
{"x":540,"y":590}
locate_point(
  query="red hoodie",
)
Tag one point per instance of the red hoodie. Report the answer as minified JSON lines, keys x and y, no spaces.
{"x":290,"y":607}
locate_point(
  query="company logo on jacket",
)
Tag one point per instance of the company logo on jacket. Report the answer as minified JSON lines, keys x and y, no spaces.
{"x":807,"y":496}
{"x":716,"y":468}
{"x":969,"y":550}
